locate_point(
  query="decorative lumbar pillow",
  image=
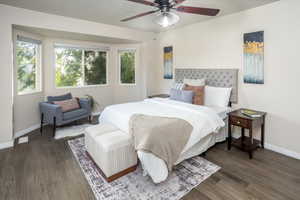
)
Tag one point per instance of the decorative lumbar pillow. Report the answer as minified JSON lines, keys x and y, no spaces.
{"x":199,"y":93}
{"x":217,"y":96}
{"x":182,"y":95}
{"x":194,"y":82}
{"x":68,"y":105}
{"x":67,"y":96}
{"x":178,"y":86}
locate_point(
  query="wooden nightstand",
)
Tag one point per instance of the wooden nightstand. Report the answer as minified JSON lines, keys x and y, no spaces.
{"x":160,"y":96}
{"x":248,"y":144}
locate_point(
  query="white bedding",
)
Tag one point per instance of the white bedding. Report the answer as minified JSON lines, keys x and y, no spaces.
{"x":221,"y":111}
{"x":204,"y":120}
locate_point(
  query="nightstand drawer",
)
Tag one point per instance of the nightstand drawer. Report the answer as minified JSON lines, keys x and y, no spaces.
{"x":239,"y":122}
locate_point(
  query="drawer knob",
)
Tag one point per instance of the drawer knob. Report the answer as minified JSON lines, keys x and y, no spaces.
{"x":238,"y":122}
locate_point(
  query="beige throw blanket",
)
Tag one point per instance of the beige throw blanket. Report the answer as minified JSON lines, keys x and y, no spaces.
{"x":163,"y":136}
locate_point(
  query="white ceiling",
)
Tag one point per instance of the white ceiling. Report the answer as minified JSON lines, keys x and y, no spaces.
{"x":112,"y":11}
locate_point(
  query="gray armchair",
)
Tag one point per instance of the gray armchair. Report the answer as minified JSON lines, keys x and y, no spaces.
{"x":52,"y":114}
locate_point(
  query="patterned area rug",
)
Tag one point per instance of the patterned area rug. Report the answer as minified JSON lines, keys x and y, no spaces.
{"x":135,"y":186}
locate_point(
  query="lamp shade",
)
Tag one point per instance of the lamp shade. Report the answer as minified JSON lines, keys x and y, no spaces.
{"x":166,"y":19}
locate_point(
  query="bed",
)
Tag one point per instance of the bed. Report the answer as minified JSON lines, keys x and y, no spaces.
{"x":211,"y":120}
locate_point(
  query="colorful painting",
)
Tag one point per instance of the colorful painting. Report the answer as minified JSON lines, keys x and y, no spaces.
{"x":168,"y":62}
{"x":254,"y":57}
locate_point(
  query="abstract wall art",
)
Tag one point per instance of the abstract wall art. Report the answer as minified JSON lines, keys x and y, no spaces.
{"x":168,"y":62}
{"x":254,"y":57}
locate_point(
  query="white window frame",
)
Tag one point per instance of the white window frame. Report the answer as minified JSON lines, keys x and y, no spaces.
{"x":38,"y":80}
{"x":83,"y":48}
{"x":120,"y":50}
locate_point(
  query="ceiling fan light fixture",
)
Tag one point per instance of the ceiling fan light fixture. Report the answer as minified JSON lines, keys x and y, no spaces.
{"x":166,"y":19}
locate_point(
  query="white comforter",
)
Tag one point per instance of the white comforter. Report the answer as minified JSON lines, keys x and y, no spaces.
{"x":203,"y":119}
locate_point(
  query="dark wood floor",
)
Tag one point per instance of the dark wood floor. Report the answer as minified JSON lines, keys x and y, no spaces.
{"x":46,"y":169}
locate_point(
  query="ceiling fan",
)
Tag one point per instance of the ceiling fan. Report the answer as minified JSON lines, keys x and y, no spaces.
{"x":166,"y":17}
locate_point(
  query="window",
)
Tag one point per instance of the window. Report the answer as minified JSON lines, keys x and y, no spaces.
{"x":77,"y":67}
{"x":127,"y":66}
{"x":28,"y":59}
{"x":95,"y":67}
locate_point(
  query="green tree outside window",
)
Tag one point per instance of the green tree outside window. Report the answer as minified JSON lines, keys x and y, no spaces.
{"x":95,"y":67}
{"x":26,"y":60}
{"x":127,"y":62}
{"x":77,"y":67}
{"x":68,"y":67}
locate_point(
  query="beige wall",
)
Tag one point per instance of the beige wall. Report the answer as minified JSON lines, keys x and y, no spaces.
{"x":214,"y":43}
{"x":11,"y":15}
{"x":218,"y":43}
{"x":6,"y":82}
{"x":26,"y":117}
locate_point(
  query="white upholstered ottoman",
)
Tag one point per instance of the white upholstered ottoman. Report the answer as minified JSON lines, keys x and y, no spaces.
{"x":111,"y":149}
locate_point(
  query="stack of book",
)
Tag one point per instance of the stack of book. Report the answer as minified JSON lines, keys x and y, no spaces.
{"x":250,"y":113}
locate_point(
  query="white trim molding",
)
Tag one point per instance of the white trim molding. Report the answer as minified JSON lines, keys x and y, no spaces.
{"x":268,"y":146}
{"x":27,"y":130}
{"x":6,"y":145}
{"x":276,"y":149}
{"x":37,"y":126}
{"x":283,"y":151}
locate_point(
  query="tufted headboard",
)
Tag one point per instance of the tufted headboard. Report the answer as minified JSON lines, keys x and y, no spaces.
{"x":214,"y":77}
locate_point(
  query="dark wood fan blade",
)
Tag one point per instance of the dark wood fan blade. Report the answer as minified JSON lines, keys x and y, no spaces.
{"x":199,"y":11}
{"x":148,"y":3}
{"x":140,"y":15}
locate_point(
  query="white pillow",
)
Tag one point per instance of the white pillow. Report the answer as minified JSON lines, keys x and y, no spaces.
{"x":194,"y":82}
{"x":216,"y":96}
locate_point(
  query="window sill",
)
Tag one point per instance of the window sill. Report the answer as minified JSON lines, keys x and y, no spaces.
{"x":29,"y":93}
{"x":128,"y":84}
{"x":81,"y":87}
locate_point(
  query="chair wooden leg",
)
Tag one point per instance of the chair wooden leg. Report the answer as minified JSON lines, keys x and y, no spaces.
{"x":90,"y":119}
{"x":54,"y":126}
{"x":42,"y":121}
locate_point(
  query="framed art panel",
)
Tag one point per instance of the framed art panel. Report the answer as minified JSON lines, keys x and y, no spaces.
{"x":168,"y":62}
{"x":254,"y":57}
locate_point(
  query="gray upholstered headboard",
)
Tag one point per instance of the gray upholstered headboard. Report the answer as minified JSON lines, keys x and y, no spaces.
{"x":214,"y":77}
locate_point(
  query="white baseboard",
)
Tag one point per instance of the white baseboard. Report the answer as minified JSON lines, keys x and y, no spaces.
{"x":5,"y":145}
{"x":275,"y":148}
{"x":32,"y":128}
{"x":27,"y":130}
{"x":271,"y":147}
{"x":283,"y":151}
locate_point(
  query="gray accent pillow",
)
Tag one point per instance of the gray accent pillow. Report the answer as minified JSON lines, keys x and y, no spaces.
{"x":182,"y":95}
